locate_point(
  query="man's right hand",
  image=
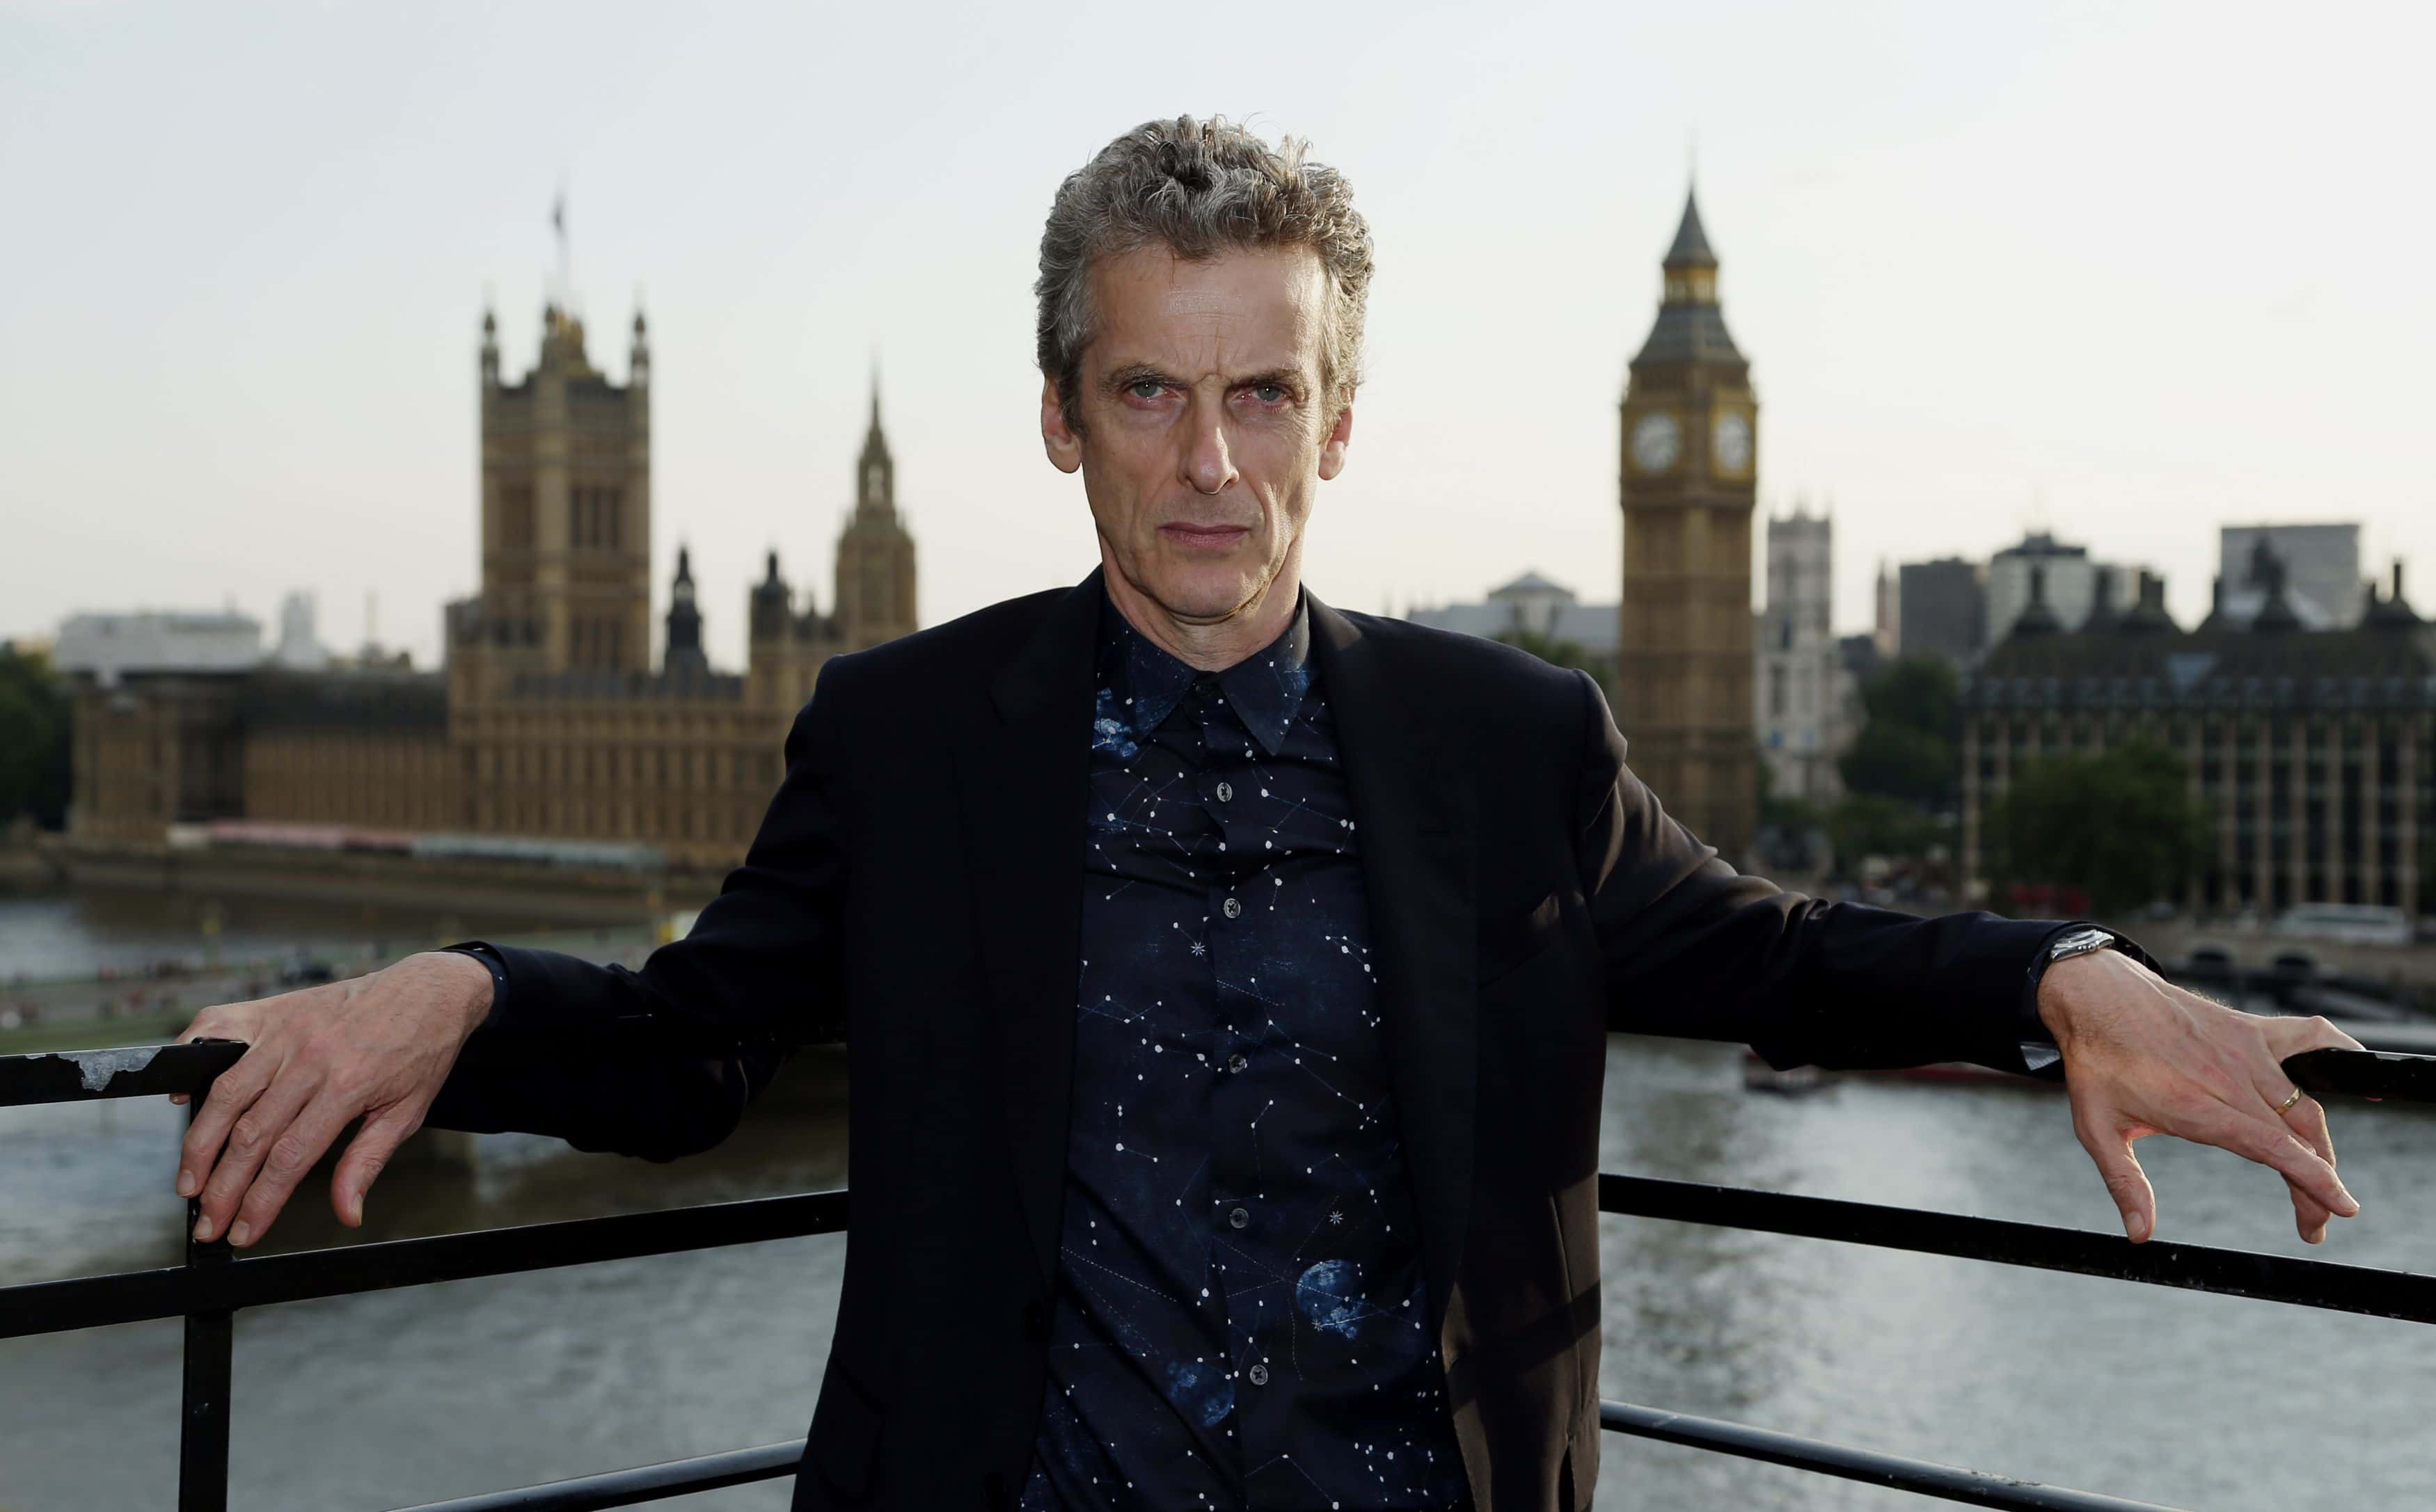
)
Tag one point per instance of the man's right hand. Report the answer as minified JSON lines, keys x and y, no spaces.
{"x":376,"y":1047}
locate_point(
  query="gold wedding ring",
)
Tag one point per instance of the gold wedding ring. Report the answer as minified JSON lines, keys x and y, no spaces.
{"x":2286,"y":1106}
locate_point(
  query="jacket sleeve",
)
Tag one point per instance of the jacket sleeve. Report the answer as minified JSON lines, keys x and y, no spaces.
{"x":661,"y":1062}
{"x":1693,"y":947}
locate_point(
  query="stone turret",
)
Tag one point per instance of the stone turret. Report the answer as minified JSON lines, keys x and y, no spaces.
{"x":684,"y":653}
{"x":875,"y":553}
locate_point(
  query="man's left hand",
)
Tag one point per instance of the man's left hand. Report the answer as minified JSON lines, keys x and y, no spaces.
{"x":2143,"y":1056}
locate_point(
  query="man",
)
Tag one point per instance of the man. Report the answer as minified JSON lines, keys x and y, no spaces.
{"x":1226,"y":978}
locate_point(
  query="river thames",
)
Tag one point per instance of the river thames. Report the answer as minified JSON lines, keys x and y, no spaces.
{"x":410,"y":1396}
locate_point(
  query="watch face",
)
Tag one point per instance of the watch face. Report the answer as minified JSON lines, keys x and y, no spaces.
{"x":2079,"y":941}
{"x":1656,"y":442}
{"x":1733,"y":443}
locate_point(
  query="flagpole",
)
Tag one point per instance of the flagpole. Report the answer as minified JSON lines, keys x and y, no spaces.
{"x":565,"y":262}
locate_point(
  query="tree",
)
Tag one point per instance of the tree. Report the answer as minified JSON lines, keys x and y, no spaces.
{"x":1906,"y":748}
{"x":2122,"y":828}
{"x":1863,"y":824}
{"x":33,"y":739}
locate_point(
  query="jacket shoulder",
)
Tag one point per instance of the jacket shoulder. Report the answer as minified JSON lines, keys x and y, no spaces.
{"x":1474,"y":681}
{"x":955,"y":656}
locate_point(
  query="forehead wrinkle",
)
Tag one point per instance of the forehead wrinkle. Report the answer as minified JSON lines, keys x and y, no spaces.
{"x":1199,"y":302}
{"x":1187,"y":329}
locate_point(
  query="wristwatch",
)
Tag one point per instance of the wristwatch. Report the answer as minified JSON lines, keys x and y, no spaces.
{"x":2079,"y":941}
{"x":2039,"y":1054}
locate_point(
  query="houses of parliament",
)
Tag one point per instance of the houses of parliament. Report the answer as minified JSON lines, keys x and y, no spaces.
{"x":547,"y":720}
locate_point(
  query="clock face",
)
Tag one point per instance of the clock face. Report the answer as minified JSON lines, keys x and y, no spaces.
{"x":1733,"y":442}
{"x":1656,"y":442}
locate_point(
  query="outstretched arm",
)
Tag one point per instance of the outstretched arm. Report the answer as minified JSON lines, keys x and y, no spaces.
{"x":1695,"y":949}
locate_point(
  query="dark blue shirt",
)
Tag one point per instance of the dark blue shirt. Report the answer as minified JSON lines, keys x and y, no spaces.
{"x":1241,"y":1321}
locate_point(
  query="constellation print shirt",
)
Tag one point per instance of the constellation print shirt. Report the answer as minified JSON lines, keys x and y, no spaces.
{"x":1239,"y":1320}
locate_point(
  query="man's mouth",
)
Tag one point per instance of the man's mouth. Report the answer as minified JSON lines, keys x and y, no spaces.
{"x":1189,"y":534}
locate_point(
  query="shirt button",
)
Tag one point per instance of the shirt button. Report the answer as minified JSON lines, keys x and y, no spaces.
{"x":1238,"y":1218}
{"x":1236,"y":1062}
{"x":1259,"y":1374}
{"x":1225,"y":792}
{"x":1232,"y":907}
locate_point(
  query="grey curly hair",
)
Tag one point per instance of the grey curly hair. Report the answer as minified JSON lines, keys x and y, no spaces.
{"x":1201,"y":188}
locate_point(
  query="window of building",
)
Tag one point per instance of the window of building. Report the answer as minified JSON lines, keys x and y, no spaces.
{"x":516,"y":517}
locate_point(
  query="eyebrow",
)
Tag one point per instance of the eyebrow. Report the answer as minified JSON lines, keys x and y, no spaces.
{"x":1132,"y":373}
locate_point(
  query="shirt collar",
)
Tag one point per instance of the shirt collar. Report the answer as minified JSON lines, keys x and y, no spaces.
{"x":1265,"y":689}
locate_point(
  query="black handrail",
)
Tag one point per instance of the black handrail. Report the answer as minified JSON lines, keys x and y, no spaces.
{"x":2383,"y":1293}
{"x":264,"y":1280}
{"x":645,"y":1483}
{"x":1923,"y":1476}
{"x":213,"y":1284}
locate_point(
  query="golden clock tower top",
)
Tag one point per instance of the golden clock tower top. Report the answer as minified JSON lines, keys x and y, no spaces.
{"x":1691,"y":327}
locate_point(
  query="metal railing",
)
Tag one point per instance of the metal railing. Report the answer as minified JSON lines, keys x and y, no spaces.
{"x":212,"y":1285}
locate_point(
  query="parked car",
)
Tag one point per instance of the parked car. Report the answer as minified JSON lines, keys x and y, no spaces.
{"x":2347,"y":922}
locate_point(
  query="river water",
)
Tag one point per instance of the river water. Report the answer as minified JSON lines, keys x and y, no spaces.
{"x":410,"y":1396}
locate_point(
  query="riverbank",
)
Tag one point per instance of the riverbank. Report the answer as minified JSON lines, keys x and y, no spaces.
{"x":134,"y":1000}
{"x":2254,"y":950}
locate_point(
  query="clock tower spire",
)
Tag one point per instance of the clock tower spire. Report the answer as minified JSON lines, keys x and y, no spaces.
{"x":1688,"y":483}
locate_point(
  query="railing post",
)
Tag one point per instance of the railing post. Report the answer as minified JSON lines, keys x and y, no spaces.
{"x":210,"y":1341}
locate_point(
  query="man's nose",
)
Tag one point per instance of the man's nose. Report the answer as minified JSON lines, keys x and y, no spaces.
{"x":1207,"y":465}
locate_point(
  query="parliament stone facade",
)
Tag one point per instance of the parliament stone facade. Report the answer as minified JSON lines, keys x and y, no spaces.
{"x":2312,"y":752}
{"x":548,"y":720}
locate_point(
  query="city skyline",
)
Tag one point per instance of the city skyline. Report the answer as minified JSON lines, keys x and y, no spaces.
{"x":1977,"y":262}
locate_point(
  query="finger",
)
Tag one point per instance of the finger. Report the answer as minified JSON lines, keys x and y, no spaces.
{"x":368,"y":1154}
{"x":2308,"y":1118}
{"x":2267,"y":1139}
{"x":195,"y":1030}
{"x":2110,"y":1146}
{"x":232,"y":1093}
{"x":2290,"y":1035}
{"x":250,"y":1139}
{"x":2308,"y":1215}
{"x":284,"y":1164}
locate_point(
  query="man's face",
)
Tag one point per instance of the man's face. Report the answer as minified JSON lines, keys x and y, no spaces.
{"x":1204,"y":431}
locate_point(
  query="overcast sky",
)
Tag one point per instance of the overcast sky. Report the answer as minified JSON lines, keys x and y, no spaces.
{"x":2126,"y":271}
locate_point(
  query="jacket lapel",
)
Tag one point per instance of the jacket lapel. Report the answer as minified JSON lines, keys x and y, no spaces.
{"x":1022,"y":782}
{"x":1414,"y":815}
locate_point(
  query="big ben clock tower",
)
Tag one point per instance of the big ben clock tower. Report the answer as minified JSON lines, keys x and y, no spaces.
{"x":1683,"y":677}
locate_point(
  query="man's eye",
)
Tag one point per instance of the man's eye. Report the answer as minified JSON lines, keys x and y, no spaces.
{"x":1269,"y":394}
{"x":1145,"y":388}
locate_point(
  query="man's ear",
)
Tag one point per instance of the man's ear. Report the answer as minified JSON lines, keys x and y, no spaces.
{"x":1057,"y":438}
{"x":1331,"y":451}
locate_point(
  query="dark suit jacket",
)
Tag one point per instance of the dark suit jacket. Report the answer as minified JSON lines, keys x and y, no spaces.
{"x":915,"y":887}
